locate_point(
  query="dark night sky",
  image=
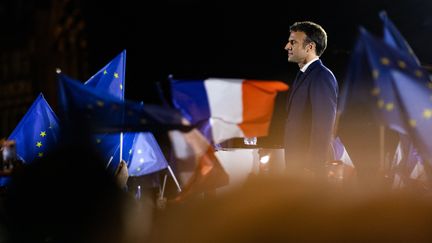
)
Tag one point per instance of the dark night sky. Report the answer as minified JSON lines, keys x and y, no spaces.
{"x":198,"y":39}
{"x":232,"y":39}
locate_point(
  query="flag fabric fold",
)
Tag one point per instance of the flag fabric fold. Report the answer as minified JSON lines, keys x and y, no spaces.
{"x":227,"y":108}
{"x":105,"y":113}
{"x":111,"y":78}
{"x":393,"y":37}
{"x":414,"y":94}
{"x":408,"y":159}
{"x":369,"y":102}
{"x":407,"y":164}
{"x":142,"y":154}
{"x":381,"y":59}
{"x":208,"y":174}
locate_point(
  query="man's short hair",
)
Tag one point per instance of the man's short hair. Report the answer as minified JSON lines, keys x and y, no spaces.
{"x":314,"y":33}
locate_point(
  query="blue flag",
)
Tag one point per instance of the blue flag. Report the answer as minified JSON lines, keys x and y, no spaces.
{"x":37,"y":132}
{"x":414,"y":94}
{"x":111,"y":78}
{"x":393,"y":37}
{"x":367,"y":101}
{"x":107,"y":144}
{"x":406,"y":158}
{"x":142,"y":154}
{"x":408,"y":153}
{"x":105,"y":113}
{"x":369,"y":86}
{"x":354,"y":100}
{"x":382,"y":58}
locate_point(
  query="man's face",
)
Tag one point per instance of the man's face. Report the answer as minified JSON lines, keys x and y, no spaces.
{"x":296,"y":52}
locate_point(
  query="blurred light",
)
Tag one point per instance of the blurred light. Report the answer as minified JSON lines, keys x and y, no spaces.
{"x":335,"y":163}
{"x":250,"y":141}
{"x":265,"y":159}
{"x":58,"y":70}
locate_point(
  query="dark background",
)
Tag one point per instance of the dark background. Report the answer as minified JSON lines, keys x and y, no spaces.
{"x":195,"y":39}
{"x":235,"y":39}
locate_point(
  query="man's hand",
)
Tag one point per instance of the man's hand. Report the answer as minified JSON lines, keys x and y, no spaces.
{"x":122,"y":174}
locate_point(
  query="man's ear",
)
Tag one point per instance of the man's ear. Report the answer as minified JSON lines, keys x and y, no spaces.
{"x":312,"y":46}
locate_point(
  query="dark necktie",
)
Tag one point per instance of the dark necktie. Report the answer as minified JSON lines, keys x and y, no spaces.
{"x":297,"y":78}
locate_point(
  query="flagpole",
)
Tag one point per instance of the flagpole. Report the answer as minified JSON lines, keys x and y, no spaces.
{"x":174,"y":178}
{"x":109,"y":162}
{"x":162,"y":190}
{"x":121,"y":146}
{"x":123,"y":110}
{"x":382,"y":146}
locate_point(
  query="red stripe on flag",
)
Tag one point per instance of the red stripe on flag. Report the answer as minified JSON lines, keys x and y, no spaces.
{"x":258,"y":105}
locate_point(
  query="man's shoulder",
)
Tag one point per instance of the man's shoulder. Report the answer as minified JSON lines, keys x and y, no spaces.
{"x":322,"y":71}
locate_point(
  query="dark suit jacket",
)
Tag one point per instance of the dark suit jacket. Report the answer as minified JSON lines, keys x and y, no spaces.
{"x":311,"y":114}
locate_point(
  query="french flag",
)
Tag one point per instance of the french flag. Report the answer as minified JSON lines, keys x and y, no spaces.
{"x":208,"y":174}
{"x":227,"y":108}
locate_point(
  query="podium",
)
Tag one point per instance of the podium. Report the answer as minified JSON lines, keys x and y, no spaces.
{"x":239,"y":163}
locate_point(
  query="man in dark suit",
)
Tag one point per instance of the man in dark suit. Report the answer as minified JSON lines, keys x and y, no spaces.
{"x":312,"y":102}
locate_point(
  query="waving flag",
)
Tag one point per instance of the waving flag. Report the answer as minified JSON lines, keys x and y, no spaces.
{"x":340,"y":153}
{"x":410,"y":88}
{"x":111,"y":78}
{"x":105,"y":113}
{"x":408,"y":160}
{"x":394,"y":38}
{"x":367,"y":101}
{"x":381,"y":58}
{"x":414,"y":94}
{"x":208,"y":173}
{"x":107,"y":144}
{"x":37,"y":132}
{"x":227,"y":108}
{"x":407,"y":164}
{"x":142,"y":154}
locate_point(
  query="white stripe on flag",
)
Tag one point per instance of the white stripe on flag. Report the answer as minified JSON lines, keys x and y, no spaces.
{"x":225,"y":99}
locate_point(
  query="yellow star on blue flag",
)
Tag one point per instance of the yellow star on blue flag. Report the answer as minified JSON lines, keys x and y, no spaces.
{"x":109,"y":83}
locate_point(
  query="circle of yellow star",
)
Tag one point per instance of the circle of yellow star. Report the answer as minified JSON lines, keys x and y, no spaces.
{"x":385,"y":61}
{"x":427,"y":113}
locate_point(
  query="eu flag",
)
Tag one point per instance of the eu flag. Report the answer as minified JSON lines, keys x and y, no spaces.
{"x":406,"y":159}
{"x":107,"y":144}
{"x":354,"y":100}
{"x":408,"y":153}
{"x":357,"y":122}
{"x":106,"y":113}
{"x":394,"y":38}
{"x":37,"y":132}
{"x":142,"y":154}
{"x":382,"y":58}
{"x":111,"y":78}
{"x":367,"y":100}
{"x":414,"y":94}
